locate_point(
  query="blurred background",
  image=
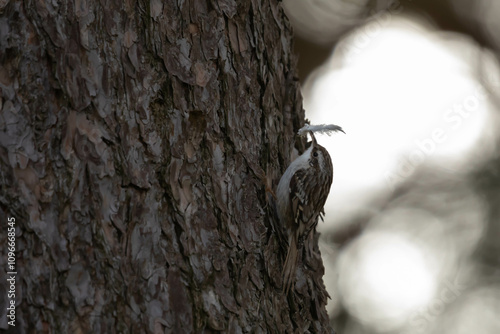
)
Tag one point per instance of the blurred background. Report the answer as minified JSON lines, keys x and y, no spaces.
{"x":411,"y":240}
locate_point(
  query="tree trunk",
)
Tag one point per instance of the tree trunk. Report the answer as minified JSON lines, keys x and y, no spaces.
{"x":137,"y":141}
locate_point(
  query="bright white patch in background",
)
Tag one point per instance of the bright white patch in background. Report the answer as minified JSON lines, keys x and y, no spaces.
{"x":407,"y":96}
{"x":384,"y":278}
{"x":404,"y":98}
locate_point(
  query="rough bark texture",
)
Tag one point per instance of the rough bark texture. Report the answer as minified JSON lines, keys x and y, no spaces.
{"x":134,"y":139}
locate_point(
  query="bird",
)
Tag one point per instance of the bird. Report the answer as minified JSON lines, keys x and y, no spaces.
{"x":301,"y":194}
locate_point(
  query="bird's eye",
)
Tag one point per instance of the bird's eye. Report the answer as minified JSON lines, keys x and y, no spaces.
{"x":315,"y":154}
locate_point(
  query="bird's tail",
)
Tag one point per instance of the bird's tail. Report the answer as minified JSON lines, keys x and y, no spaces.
{"x":290,"y":265}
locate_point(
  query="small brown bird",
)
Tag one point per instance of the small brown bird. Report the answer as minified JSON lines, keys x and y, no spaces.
{"x":301,"y":195}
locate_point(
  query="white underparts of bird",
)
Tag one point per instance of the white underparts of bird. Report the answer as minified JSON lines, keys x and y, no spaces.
{"x":301,"y":195}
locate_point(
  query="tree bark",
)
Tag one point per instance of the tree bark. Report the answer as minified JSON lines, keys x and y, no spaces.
{"x":137,"y":143}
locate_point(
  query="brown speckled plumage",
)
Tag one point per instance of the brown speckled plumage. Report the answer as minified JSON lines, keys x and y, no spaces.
{"x":308,"y":180}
